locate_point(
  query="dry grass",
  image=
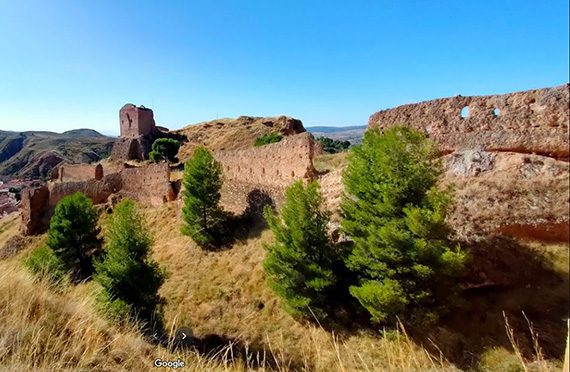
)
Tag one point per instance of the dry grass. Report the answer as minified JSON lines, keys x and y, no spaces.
{"x":223,"y":297}
{"x":45,"y":330}
{"x":225,"y":134}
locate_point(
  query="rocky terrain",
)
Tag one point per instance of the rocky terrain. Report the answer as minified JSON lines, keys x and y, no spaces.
{"x":34,"y":154}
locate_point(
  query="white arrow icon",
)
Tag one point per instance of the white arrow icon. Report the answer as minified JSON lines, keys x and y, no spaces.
{"x":183,"y":335}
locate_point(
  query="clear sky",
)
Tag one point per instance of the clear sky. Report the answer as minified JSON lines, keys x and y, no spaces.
{"x":73,"y":64}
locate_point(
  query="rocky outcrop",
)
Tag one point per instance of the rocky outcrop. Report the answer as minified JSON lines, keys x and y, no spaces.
{"x":534,"y":121}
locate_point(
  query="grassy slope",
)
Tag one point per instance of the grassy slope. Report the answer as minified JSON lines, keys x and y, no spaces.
{"x":225,"y":134}
{"x":221,"y":295}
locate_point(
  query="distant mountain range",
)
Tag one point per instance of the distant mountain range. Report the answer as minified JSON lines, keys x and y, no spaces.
{"x":35,"y":153}
{"x":353,"y":134}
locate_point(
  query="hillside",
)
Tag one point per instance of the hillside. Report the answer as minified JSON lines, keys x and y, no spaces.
{"x":35,"y":153}
{"x":353,"y":134}
{"x":233,"y":134}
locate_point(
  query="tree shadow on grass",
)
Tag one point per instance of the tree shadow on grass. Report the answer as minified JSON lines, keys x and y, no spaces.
{"x":510,"y":277}
{"x":250,"y":224}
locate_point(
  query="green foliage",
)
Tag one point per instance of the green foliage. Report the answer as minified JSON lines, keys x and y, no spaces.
{"x":202,"y":182}
{"x":396,"y":217}
{"x":266,"y":140}
{"x":129,"y":278}
{"x":43,"y":263}
{"x":73,"y":235}
{"x":164,"y":149}
{"x":333,"y":146}
{"x":299,"y":264}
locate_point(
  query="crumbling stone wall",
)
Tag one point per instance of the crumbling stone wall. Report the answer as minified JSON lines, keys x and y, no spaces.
{"x":275,"y":165}
{"x":33,"y":205}
{"x":77,"y":172}
{"x":533,"y":121}
{"x":151,"y":183}
{"x":507,"y":159}
{"x":138,"y":132}
{"x":148,"y":184}
{"x":136,"y":121}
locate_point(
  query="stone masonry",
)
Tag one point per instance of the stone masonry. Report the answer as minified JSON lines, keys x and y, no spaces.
{"x":149,"y":184}
{"x":275,"y":165}
{"x":533,"y":121}
{"x":138,"y":132}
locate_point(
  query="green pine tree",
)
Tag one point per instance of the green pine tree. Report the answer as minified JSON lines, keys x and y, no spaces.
{"x":164,"y":149}
{"x":202,"y":182}
{"x":299,"y":264}
{"x":396,"y":217}
{"x":129,"y":278}
{"x":73,"y":235}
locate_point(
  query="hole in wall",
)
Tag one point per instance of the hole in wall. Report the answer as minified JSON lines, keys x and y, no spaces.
{"x":292,"y":173}
{"x":496,"y":112}
{"x":465,"y":112}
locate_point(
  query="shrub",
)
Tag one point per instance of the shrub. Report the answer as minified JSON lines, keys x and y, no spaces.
{"x":396,"y":217}
{"x":299,"y":264}
{"x":73,"y":235}
{"x":129,"y":278}
{"x":164,"y":149}
{"x":202,"y":182}
{"x":267,"y":139}
{"x":43,"y":263}
{"x":333,"y":146}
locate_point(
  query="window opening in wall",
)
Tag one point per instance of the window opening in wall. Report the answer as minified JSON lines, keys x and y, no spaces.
{"x":496,"y":112}
{"x":465,"y":112}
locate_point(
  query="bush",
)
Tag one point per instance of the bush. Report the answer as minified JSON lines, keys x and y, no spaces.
{"x":164,"y":149}
{"x":333,"y":146}
{"x":396,"y":217}
{"x":129,"y":278}
{"x":43,"y":263}
{"x":299,"y":264}
{"x":73,"y":235}
{"x":202,"y":182}
{"x":266,"y":140}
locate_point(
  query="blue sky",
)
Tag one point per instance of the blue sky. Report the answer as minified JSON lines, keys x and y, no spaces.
{"x":73,"y":64}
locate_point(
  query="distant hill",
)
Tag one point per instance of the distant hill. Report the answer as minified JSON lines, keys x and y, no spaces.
{"x":35,"y":153}
{"x":353,"y":134}
{"x":84,"y":133}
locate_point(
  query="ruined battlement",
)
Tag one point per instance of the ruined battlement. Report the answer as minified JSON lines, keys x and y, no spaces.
{"x":136,"y":121}
{"x":149,"y":184}
{"x":533,"y":121}
{"x":77,"y":172}
{"x":274,"y":165}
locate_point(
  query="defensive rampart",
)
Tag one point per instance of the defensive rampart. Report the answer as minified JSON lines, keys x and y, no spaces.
{"x":275,"y":165}
{"x":149,"y":184}
{"x":533,"y":121}
{"x":77,"y":172}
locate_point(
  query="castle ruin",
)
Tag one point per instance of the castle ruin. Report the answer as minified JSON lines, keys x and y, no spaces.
{"x":138,"y":132}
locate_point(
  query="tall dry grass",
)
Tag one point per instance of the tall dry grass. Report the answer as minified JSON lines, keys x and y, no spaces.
{"x":46,"y":330}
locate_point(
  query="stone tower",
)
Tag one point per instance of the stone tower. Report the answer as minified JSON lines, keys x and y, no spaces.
{"x":138,"y":132}
{"x":136,"y":121}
